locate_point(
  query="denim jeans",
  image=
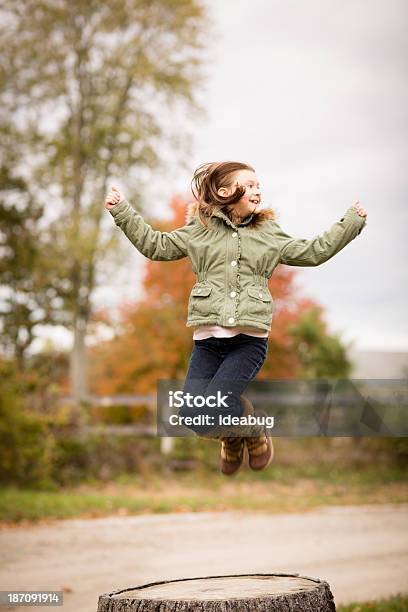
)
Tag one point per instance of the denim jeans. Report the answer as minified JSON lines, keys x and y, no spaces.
{"x":224,"y":365}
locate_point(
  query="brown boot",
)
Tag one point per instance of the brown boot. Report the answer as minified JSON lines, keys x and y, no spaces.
{"x":232,"y":454}
{"x":260,"y":452}
{"x":260,"y":449}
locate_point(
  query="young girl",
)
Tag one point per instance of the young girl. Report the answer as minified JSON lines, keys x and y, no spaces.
{"x":234,"y":247}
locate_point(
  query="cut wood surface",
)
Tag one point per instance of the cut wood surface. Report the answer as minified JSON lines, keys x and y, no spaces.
{"x":241,"y":592}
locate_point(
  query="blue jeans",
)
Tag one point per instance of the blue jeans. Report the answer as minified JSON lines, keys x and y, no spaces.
{"x":224,"y":365}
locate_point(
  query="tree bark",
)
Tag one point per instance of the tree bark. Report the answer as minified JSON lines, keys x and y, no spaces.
{"x":78,"y":363}
{"x":236,"y":593}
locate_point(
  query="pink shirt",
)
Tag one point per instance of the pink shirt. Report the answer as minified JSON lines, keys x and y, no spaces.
{"x":206,"y":331}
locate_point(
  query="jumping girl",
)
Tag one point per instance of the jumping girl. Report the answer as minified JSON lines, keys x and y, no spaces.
{"x":233,"y":246}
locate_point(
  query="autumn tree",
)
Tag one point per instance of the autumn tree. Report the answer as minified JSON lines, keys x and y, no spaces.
{"x":90,"y":90}
{"x":27,"y":291}
{"x":322,"y":355}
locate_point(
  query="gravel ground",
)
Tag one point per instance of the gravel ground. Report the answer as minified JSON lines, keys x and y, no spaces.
{"x":362,"y":551}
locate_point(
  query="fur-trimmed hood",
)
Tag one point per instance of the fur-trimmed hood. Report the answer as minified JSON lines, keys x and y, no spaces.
{"x":252,"y":221}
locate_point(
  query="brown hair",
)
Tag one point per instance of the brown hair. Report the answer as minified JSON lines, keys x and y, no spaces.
{"x":210,"y":177}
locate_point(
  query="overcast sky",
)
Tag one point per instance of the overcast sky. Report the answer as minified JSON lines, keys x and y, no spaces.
{"x":314,"y":95}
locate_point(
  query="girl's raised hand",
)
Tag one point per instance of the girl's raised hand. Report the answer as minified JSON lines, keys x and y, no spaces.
{"x":113,"y":198}
{"x":359,"y":209}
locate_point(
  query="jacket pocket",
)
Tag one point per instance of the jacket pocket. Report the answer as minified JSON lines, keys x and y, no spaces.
{"x":259,"y":304}
{"x":199,"y":303}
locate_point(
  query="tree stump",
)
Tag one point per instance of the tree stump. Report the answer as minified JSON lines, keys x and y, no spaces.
{"x":240,"y":593}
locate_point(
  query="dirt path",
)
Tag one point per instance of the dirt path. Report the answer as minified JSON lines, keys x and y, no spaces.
{"x":362,"y":551}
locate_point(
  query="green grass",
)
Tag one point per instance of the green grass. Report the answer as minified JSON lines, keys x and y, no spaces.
{"x":277,"y":489}
{"x":333,"y":474}
{"x":399,"y":603}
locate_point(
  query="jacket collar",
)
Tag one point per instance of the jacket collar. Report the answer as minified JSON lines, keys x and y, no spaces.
{"x":254,"y":220}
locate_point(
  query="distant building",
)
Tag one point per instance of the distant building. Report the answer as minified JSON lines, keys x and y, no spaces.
{"x":379,"y":364}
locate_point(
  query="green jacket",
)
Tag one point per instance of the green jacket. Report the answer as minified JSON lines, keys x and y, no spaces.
{"x":233,"y":263}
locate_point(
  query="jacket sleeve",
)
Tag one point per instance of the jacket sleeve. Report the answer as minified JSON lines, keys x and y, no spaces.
{"x":303,"y":252}
{"x":156,"y":245}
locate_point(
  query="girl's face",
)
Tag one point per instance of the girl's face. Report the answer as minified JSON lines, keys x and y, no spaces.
{"x":252,"y":196}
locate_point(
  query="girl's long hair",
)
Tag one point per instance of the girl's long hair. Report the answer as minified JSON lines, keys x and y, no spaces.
{"x":206,"y":181}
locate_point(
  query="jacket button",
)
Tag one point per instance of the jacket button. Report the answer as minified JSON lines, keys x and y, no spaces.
{"x":233,"y":293}
{"x":233,"y":263}
{"x":234,"y":234}
{"x":231,"y":320}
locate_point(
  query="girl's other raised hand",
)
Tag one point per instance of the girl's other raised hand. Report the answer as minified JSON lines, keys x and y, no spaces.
{"x":113,"y":198}
{"x":359,"y":209}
